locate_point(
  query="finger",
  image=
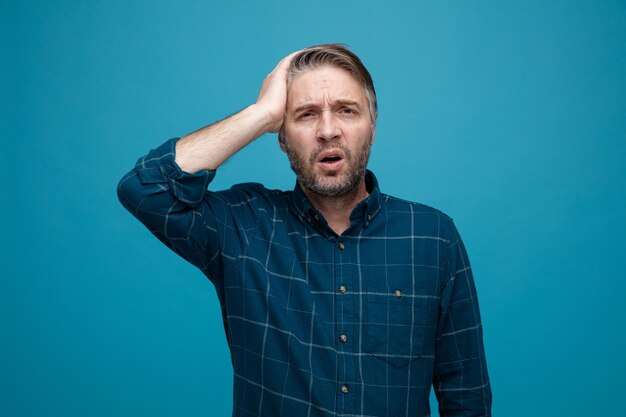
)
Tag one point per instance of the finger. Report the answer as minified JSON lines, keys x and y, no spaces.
{"x":284,"y":63}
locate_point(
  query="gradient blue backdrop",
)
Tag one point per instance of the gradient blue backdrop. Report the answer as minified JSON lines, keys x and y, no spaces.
{"x":509,"y":116}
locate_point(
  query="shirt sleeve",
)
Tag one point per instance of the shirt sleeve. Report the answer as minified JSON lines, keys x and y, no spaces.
{"x":461,"y":381}
{"x":179,"y":210}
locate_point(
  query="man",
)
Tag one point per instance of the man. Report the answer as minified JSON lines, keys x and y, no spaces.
{"x":337,"y":300}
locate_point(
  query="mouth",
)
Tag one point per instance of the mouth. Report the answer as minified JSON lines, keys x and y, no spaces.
{"x":331,"y":160}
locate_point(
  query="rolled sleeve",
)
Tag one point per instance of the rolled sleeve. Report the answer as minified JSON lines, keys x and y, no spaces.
{"x":159,"y":167}
{"x":171,"y":204}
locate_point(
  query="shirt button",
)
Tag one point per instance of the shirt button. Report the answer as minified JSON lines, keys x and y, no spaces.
{"x":343,"y":338}
{"x":369,"y":217}
{"x":342,"y":246}
{"x":317,"y":217}
{"x":344,"y":388}
{"x":342,"y":289}
{"x":398,"y":293}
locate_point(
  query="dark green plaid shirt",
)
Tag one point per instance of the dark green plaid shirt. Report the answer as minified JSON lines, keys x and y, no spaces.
{"x":361,"y":324}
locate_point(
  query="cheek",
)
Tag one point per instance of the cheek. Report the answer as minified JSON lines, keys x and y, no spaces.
{"x":297,"y":132}
{"x":298,"y":139}
{"x":297,"y":147}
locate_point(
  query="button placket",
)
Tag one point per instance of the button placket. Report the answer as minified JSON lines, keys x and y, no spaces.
{"x":344,"y":273}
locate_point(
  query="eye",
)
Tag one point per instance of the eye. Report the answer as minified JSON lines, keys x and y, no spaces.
{"x":348,"y":110}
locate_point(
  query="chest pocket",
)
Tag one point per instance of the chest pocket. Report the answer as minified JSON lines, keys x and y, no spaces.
{"x":394,"y":324}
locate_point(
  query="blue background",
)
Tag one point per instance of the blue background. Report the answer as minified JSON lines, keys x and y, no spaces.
{"x":509,"y":116}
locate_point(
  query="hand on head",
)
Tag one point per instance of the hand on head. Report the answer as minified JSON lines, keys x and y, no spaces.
{"x":273,"y":96}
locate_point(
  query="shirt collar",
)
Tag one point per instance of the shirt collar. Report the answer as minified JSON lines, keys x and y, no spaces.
{"x":364,"y":211}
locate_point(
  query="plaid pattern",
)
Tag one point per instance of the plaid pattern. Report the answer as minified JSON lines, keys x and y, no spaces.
{"x":317,"y":324}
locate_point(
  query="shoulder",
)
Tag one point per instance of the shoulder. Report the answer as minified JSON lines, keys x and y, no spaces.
{"x":251,"y":194}
{"x":395,"y":203}
{"x":260,"y":191}
{"x":423,"y":216}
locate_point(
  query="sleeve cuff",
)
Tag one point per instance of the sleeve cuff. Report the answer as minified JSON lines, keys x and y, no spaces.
{"x":159,"y":167}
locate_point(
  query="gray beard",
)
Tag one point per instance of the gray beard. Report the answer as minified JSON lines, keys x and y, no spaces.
{"x":308,"y":179}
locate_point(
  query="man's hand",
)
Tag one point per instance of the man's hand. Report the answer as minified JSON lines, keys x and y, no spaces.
{"x":209,"y":147}
{"x":273,"y":96}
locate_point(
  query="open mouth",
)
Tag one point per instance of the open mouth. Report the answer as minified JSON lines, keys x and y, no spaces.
{"x":331,"y":160}
{"x":331,"y":155}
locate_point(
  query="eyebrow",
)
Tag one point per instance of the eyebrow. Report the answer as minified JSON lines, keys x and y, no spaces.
{"x":341,"y":102}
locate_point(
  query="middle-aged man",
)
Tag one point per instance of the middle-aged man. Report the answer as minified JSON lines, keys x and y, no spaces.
{"x":337,"y":299}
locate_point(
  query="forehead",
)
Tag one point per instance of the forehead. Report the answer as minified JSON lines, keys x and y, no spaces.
{"x":325,"y":84}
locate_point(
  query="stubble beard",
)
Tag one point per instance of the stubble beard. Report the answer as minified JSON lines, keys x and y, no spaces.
{"x":333,"y":186}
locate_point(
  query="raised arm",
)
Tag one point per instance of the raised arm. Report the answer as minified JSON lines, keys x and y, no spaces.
{"x":209,"y":147}
{"x":167,"y":188}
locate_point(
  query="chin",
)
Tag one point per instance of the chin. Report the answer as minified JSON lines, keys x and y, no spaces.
{"x":333,"y":186}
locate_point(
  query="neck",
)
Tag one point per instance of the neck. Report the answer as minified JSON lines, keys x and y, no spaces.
{"x":337,"y":209}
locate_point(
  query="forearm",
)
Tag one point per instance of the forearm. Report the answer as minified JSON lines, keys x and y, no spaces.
{"x":209,"y":147}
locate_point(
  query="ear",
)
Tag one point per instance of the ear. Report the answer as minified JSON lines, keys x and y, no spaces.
{"x":282,"y":141}
{"x":373,"y":128}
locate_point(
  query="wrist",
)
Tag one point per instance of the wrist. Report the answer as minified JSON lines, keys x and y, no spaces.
{"x":268,"y":121}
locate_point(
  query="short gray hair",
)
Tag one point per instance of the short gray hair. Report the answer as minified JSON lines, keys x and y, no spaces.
{"x":336,"y":55}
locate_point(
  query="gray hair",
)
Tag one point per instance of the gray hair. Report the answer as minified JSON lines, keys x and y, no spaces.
{"x":336,"y":55}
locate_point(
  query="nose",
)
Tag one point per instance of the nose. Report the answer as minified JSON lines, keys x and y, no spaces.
{"x":327,"y":128}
